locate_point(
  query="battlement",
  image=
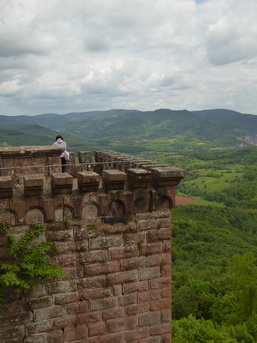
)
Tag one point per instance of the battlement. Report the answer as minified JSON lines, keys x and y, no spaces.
{"x":114,"y":185}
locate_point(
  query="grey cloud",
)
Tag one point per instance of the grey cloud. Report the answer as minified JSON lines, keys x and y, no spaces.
{"x":66,"y":56}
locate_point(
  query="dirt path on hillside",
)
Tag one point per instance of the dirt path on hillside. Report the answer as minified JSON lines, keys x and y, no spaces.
{"x":179,"y":200}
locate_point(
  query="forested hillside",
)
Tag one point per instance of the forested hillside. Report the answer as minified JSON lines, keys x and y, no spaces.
{"x":215,"y":248}
{"x":163,"y":130}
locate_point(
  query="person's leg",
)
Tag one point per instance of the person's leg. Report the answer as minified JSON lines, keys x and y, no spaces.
{"x":63,"y":164}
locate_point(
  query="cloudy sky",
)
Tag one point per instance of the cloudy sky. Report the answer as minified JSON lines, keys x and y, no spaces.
{"x":79,"y":55}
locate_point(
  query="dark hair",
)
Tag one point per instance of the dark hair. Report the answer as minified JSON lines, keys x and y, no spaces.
{"x":58,"y":137}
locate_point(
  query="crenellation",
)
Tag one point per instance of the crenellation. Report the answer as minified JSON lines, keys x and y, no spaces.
{"x":6,"y":187}
{"x":109,"y":220}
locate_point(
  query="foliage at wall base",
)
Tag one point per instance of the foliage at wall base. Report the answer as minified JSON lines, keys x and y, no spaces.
{"x":26,"y":265}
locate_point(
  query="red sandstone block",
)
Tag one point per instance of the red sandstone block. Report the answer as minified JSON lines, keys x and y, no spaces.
{"x":167,"y":246}
{"x":80,"y":307}
{"x":126,"y":252}
{"x":95,"y":293}
{"x":98,"y":243}
{"x":65,"y":321}
{"x":70,"y":273}
{"x":59,"y":235}
{"x":117,"y":253}
{"x":149,"y":273}
{"x":166,"y":270}
{"x":40,"y":291}
{"x":123,"y":277}
{"x":133,"y":263}
{"x":2,"y":240}
{"x":94,"y":256}
{"x":134,"y":238}
{"x":149,"y":318}
{"x":163,"y":282}
{"x":136,"y":334}
{"x":121,"y":324}
{"x":113,"y":229}
{"x":137,"y":308}
{"x":114,"y":241}
{"x":166,"y":316}
{"x":42,"y":326}
{"x":152,"y":248}
{"x":85,"y":233}
{"x":160,"y":329}
{"x":161,"y":304}
{"x":97,"y":329}
{"x":91,"y":340}
{"x":166,"y":338}
{"x":153,"y":260}
{"x":72,"y":308}
{"x":76,"y":333}
{"x":103,"y":304}
{"x":93,"y":282}
{"x":40,"y":302}
{"x":159,"y":235}
{"x":148,"y":296}
{"x":113,"y":313}
{"x":114,"y":338}
{"x":96,"y":269}
{"x":39,"y":338}
{"x":117,"y":290}
{"x":55,"y":337}
{"x":90,"y":317}
{"x":15,"y":332}
{"x":12,"y":340}
{"x":166,"y":293}
{"x":48,"y":313}
{"x":151,"y":340}
{"x":155,"y":214}
{"x":64,"y":247}
{"x":61,"y":287}
{"x":127,"y":299}
{"x":139,"y":286}
{"x":149,"y":224}
{"x":64,"y":260}
{"x":165,"y":259}
{"x":82,"y":245}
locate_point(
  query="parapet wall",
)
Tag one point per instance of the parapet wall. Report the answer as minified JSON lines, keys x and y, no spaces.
{"x":109,"y":220}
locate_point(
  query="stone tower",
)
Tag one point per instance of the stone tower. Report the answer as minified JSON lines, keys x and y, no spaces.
{"x":109,"y":218}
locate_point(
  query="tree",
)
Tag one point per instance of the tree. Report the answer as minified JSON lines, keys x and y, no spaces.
{"x":240,"y":301}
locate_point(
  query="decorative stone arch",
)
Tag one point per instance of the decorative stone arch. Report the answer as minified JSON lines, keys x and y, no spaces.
{"x":91,"y":210}
{"x":63,"y":212}
{"x":164,"y":202}
{"x":35,"y":215}
{"x":140,"y":205}
{"x":117,"y":208}
{"x":68,"y":212}
{"x":8,"y":217}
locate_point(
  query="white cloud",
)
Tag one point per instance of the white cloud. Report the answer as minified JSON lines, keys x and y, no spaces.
{"x":62,"y":56}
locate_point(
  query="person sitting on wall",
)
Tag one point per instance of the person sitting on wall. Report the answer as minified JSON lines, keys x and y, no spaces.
{"x":59,"y":141}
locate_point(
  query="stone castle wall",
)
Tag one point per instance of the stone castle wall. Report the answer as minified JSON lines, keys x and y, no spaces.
{"x":109,"y":220}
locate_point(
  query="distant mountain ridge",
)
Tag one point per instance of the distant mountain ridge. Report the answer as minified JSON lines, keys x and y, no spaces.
{"x":119,"y":127}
